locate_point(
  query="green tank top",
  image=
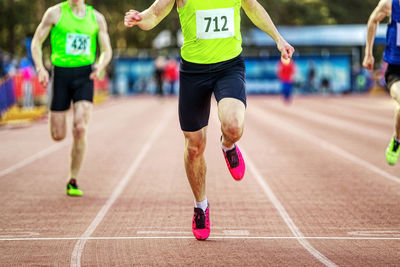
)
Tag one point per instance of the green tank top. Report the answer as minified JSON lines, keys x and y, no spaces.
{"x":73,"y":39}
{"x":211,"y":30}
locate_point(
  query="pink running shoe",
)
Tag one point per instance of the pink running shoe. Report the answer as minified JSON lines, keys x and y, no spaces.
{"x":235,"y":163}
{"x":201,"y":224}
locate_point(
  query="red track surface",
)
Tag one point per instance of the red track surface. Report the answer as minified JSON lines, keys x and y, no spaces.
{"x":317,"y":189}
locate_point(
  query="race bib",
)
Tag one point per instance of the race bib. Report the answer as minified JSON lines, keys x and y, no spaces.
{"x":215,"y":23}
{"x":78,"y":44}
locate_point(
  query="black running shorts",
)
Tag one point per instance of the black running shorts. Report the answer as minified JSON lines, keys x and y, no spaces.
{"x":198,"y":82}
{"x":392,"y":75}
{"x":70,"y":84}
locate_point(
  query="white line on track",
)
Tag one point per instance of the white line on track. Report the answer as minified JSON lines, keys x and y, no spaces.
{"x":297,"y":131}
{"x":44,"y":152}
{"x":191,"y":237}
{"x":79,"y":246}
{"x":282,"y":211}
{"x":34,"y":157}
{"x":332,"y":121}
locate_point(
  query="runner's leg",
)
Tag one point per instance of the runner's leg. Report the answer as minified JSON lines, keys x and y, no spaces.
{"x":82,"y":111}
{"x":195,"y":165}
{"x":395,"y":93}
{"x":231,"y":115}
{"x":58,"y":125}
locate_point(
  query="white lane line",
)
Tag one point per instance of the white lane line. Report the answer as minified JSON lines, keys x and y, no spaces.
{"x":332,"y":121}
{"x":236,"y":232}
{"x":293,"y":130}
{"x":376,"y":233}
{"x":350,"y":113}
{"x":45,"y":152}
{"x":162,"y":232}
{"x":79,"y":246}
{"x":224,"y":232}
{"x":282,"y":211}
{"x":34,"y":157}
{"x":191,"y":237}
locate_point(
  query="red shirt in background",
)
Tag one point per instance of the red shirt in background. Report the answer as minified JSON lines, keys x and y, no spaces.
{"x":286,"y":71}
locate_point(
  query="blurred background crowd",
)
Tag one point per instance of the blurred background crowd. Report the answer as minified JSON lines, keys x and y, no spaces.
{"x":329,"y":38}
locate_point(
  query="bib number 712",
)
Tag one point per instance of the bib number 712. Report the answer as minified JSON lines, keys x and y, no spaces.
{"x":215,"y":23}
{"x":223,"y":20}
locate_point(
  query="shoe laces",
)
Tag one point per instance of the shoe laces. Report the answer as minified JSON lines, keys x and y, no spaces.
{"x":396,"y":145}
{"x":200,"y":218}
{"x":72,"y":184}
{"x":232,"y":157}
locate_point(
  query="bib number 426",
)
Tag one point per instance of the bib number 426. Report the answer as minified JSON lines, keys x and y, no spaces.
{"x":215,"y":23}
{"x":78,"y":44}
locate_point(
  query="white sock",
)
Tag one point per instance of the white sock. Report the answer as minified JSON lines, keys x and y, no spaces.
{"x":202,"y":205}
{"x":224,"y":148}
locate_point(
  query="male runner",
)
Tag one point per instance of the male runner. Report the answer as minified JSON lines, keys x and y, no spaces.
{"x":75,"y":28}
{"x":211,"y":63}
{"x":391,"y":55}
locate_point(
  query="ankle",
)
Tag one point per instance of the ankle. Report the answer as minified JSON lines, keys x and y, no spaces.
{"x":202,"y":204}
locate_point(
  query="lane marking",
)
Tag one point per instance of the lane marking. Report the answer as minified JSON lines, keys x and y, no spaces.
{"x":49,"y":150}
{"x":322,"y":143}
{"x":236,"y":232}
{"x":79,"y":246}
{"x":191,"y":237}
{"x":332,"y":121}
{"x":185,"y":226}
{"x":350,"y":113}
{"x":376,"y":233}
{"x":162,"y":232}
{"x":34,"y":157}
{"x":224,"y":232}
{"x":16,"y":233}
{"x":282,"y":212}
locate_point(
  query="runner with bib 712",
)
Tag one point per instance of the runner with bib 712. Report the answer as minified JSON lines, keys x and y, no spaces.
{"x":211,"y":64}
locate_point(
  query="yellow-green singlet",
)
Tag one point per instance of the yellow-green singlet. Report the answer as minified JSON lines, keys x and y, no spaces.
{"x":74,"y":39}
{"x":211,"y":30}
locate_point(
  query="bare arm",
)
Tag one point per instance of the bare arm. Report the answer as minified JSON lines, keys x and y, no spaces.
{"x":383,"y":9}
{"x":149,"y":18}
{"x":49,"y":19}
{"x":105,"y":47}
{"x":259,"y":16}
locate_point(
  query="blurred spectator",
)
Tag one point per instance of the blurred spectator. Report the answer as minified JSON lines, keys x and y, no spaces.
{"x":27,"y":71}
{"x":310,"y":85}
{"x":159,"y":65}
{"x":171,"y":75}
{"x":286,"y":71}
{"x":326,"y":86}
{"x":2,"y":72}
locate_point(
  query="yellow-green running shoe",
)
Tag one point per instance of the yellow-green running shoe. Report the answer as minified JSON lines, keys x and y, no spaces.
{"x":392,"y":152}
{"x":72,"y":189}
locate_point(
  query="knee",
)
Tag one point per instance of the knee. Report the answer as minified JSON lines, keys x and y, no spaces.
{"x":79,"y":130}
{"x":232,"y":129}
{"x":395,"y":93}
{"x":195,"y":147}
{"x":57,"y":134}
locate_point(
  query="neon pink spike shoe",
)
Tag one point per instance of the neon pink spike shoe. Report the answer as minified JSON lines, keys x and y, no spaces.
{"x":201,"y":224}
{"x":235,"y":163}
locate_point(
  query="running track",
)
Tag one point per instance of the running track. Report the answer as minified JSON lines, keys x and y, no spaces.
{"x":317,"y":190}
